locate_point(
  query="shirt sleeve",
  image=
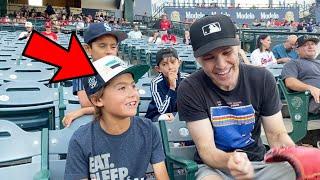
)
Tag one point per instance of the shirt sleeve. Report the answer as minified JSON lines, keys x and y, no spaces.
{"x":190,"y":105}
{"x":77,"y":163}
{"x":271,"y":103}
{"x":164,"y":102}
{"x":77,"y":85}
{"x":290,"y":69}
{"x":157,"y":154}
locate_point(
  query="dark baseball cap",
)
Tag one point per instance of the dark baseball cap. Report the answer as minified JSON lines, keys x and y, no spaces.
{"x":303,"y":39}
{"x":211,"y":32}
{"x":96,"y":30}
{"x":167,"y":52}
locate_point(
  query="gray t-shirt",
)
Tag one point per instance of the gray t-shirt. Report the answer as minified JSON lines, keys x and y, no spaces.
{"x":307,"y":71}
{"x":95,"y":154}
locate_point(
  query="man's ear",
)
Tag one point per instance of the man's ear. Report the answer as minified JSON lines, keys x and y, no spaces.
{"x":87,"y":48}
{"x":157,"y":68}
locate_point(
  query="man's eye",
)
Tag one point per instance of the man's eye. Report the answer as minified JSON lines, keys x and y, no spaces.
{"x":227,"y":52}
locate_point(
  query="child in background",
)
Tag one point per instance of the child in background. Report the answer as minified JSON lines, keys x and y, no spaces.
{"x":164,"y":86}
{"x":101,"y":40}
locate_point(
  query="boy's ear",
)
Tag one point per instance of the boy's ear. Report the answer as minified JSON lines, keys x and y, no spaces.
{"x":96,"y":101}
{"x":157,"y":68}
{"x":87,"y":48}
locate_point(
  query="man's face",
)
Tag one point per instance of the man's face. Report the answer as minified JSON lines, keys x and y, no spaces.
{"x":222,"y":66}
{"x":307,"y":50}
{"x":290,"y":44}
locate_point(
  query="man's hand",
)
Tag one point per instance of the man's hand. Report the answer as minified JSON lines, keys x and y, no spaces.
{"x":172,"y":78}
{"x":315,"y":92}
{"x":240,"y":167}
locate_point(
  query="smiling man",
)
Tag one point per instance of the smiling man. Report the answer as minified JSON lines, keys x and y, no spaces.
{"x":225,"y":103}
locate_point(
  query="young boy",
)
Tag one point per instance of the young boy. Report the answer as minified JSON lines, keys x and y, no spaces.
{"x":100,"y":41}
{"x":116,"y":145}
{"x":164,"y":86}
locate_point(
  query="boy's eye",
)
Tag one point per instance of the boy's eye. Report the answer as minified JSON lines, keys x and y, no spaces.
{"x":122,"y":88}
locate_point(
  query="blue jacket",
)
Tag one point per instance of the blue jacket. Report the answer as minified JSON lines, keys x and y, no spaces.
{"x":163,"y":98}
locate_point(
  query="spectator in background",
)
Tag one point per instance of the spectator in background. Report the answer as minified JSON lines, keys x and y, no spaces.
{"x":26,"y":34}
{"x":49,"y":10}
{"x":242,"y":54}
{"x":135,"y":33}
{"x":186,"y":39}
{"x":165,"y":24}
{"x":155,"y":38}
{"x":303,"y":74}
{"x":165,"y":85}
{"x":262,"y":56}
{"x":79,"y":23}
{"x":285,"y":51}
{"x":169,"y":38}
{"x":48,"y":33}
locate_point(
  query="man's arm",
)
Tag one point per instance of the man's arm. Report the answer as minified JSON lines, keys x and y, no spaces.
{"x":283,"y":60}
{"x":236,"y":162}
{"x":204,"y":141}
{"x":275,"y":131}
{"x":297,"y":85}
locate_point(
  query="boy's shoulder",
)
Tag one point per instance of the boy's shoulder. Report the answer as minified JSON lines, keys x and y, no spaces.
{"x":158,"y":78}
{"x":144,"y":124}
{"x":84,"y":131}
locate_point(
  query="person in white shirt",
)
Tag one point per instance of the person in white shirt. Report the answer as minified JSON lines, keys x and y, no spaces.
{"x":135,"y":33}
{"x":26,"y":34}
{"x":155,"y":38}
{"x":263,"y":56}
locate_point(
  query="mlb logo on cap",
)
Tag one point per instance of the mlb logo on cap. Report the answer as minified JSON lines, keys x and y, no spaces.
{"x":211,"y":32}
{"x":211,"y":28}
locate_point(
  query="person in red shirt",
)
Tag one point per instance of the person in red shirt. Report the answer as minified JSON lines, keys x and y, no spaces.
{"x":169,"y":38}
{"x":48,"y":33}
{"x":165,"y":24}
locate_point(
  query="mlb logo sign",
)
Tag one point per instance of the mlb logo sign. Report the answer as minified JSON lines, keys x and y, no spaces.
{"x":211,"y":28}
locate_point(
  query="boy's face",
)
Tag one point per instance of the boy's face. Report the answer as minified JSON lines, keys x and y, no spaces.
{"x":120,"y":98}
{"x":103,"y":46}
{"x":168,"y":65}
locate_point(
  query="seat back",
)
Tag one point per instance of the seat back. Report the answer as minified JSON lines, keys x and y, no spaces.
{"x":176,"y":138}
{"x":298,"y":105}
{"x":23,"y":154}
{"x":58,"y":146}
{"x":28,"y":104}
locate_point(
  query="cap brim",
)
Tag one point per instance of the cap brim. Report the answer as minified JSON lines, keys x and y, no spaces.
{"x":120,"y":35}
{"x":216,"y":44}
{"x":137,"y":71}
{"x":313,"y":39}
